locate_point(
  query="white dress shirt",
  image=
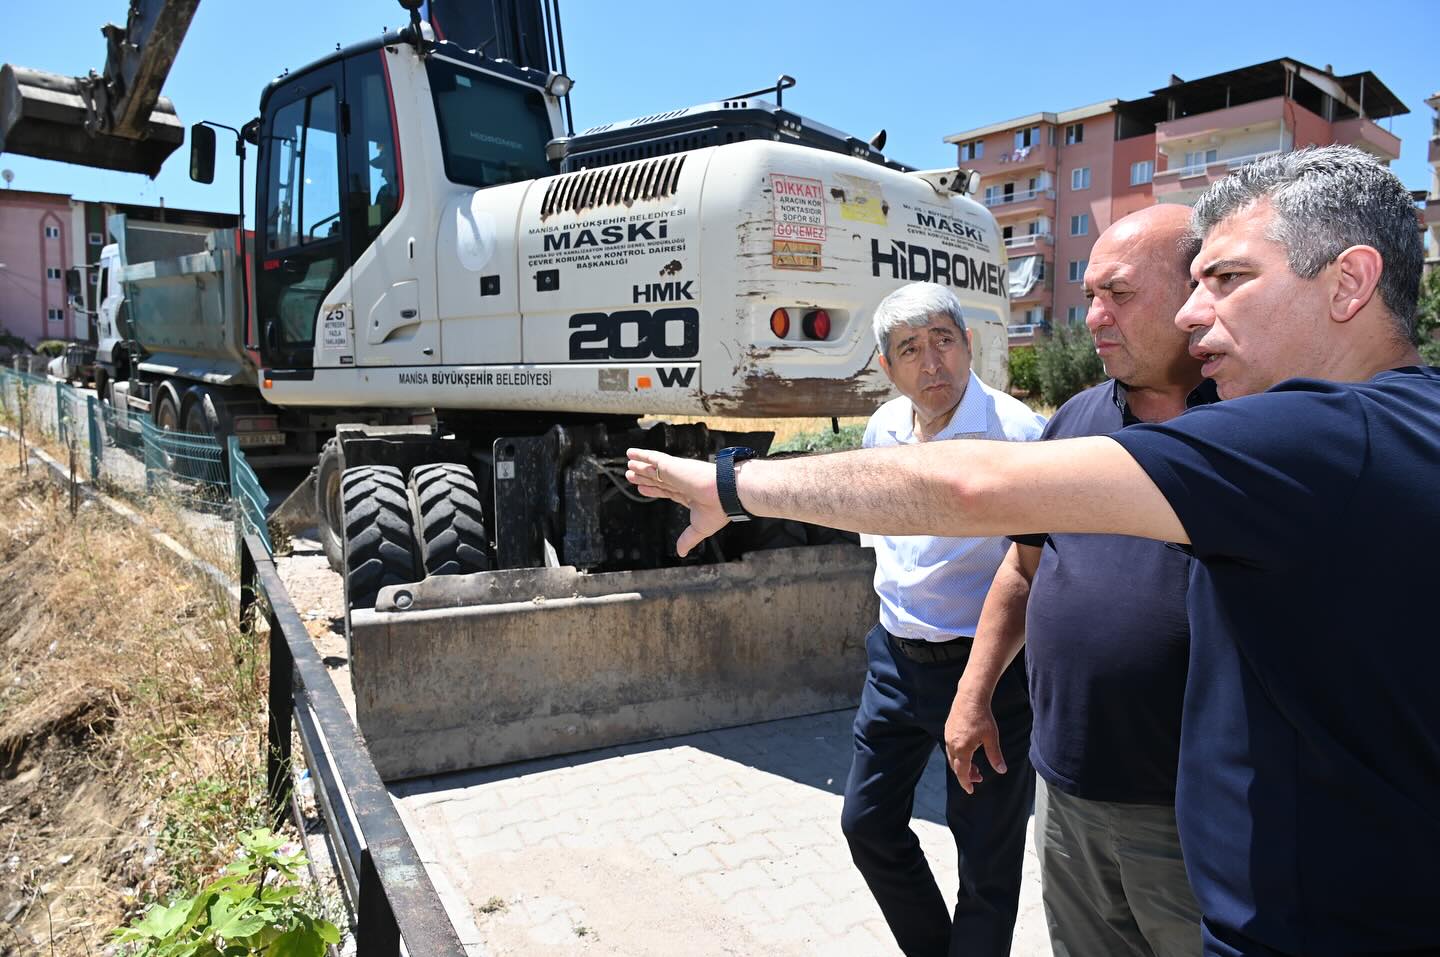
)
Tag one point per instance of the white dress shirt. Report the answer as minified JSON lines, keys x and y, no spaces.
{"x":933,"y":588}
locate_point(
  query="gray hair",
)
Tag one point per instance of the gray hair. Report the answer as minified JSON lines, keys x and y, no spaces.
{"x":1327,"y":199}
{"x":913,"y":305}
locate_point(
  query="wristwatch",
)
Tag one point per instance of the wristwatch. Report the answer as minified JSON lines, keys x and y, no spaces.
{"x":725,"y":461}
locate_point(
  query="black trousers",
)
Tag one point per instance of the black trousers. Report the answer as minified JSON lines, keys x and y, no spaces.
{"x":900,"y":722}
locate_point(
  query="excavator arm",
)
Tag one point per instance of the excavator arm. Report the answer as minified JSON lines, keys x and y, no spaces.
{"x":114,"y":120}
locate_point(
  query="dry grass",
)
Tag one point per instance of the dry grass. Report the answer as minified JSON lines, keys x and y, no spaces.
{"x":131,"y":717}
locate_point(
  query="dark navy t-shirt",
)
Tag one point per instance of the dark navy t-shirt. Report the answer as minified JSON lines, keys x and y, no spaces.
{"x":1107,"y":642}
{"x":1309,"y":782}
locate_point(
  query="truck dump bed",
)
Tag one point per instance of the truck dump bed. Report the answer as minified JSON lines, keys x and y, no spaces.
{"x":186,"y":306}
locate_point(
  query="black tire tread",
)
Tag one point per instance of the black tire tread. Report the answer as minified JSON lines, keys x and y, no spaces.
{"x":450,"y":521}
{"x":379,"y":535}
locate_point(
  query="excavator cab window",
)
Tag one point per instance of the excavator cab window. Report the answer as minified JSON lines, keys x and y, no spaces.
{"x":375,"y":182}
{"x":302,"y":232}
{"x":492,"y":131}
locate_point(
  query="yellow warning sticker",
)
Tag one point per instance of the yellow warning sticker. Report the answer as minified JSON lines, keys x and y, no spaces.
{"x":861,"y":200}
{"x":790,"y":254}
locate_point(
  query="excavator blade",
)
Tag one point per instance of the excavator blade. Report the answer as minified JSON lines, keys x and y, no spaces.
{"x":44,"y":115}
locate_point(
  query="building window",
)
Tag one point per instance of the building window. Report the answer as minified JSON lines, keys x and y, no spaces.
{"x":973,"y":150}
{"x":1074,"y":133}
{"x":52,"y":273}
{"x":992,"y":195}
{"x":1075,"y":314}
{"x":1035,"y":315}
{"x":1080,"y":178}
{"x":1142,"y":172}
{"x":56,"y":315}
{"x":1080,"y":225}
{"x":1040,"y":270}
{"x":1030,"y":136}
{"x":52,"y":232}
{"x":1077,"y":269}
{"x":1201,"y":157}
{"x":95,"y":239}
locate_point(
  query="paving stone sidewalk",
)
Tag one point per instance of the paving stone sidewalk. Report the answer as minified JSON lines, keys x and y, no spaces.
{"x":726,"y":842}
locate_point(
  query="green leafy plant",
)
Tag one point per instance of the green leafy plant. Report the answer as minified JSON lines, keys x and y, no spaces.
{"x":849,"y":437}
{"x":253,"y":908}
{"x":1024,"y":370}
{"x":1066,"y":363}
{"x":1427,"y":318}
{"x":50,"y":347}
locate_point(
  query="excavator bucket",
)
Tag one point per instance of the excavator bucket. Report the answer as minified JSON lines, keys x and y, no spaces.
{"x":44,"y":115}
{"x":466,"y":671}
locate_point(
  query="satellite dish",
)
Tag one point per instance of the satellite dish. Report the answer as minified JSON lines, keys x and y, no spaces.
{"x":7,"y":176}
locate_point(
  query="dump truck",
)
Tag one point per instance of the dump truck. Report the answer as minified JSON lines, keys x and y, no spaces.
{"x":172,"y":345}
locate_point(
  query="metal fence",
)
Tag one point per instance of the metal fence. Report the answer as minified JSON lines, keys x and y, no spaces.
{"x":123,"y":451}
{"x":386,"y":885}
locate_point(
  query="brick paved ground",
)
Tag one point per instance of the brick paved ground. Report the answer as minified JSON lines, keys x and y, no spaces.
{"x":725,"y":842}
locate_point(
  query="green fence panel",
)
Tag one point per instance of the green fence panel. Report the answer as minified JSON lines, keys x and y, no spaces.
{"x":185,"y":464}
{"x":249,"y":497}
{"x":97,"y":436}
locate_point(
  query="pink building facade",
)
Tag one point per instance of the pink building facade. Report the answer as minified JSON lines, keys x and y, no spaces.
{"x":1055,"y":181}
{"x":38,"y":243}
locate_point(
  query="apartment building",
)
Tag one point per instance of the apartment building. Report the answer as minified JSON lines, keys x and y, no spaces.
{"x":1432,"y":201}
{"x":1055,"y":181}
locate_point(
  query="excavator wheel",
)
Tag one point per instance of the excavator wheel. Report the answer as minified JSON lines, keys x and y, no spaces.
{"x":331,"y":523}
{"x":450,"y":524}
{"x":379,"y":536}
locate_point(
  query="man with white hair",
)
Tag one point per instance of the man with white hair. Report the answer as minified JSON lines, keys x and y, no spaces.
{"x":931,"y":591}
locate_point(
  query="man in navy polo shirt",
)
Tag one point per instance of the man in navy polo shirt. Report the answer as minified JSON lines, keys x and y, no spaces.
{"x":1106,"y":637}
{"x":931,"y":590}
{"x":1308,"y":797}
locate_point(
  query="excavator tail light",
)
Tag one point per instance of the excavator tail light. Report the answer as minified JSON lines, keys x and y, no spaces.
{"x":780,"y":323}
{"x":816,"y":325}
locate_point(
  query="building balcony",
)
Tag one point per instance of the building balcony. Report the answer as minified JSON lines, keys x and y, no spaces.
{"x":1024,"y":201}
{"x":1367,"y":135}
{"x":1042,"y":292}
{"x":1269,"y":112}
{"x":1434,"y":155}
{"x":1431,"y":214}
{"x":1029,"y":241}
{"x":1177,"y":183}
{"x":1013,"y":161}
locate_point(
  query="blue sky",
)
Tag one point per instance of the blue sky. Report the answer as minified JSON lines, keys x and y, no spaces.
{"x":921,"y":70}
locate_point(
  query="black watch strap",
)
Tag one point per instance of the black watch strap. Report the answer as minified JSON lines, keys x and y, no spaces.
{"x":725,"y":461}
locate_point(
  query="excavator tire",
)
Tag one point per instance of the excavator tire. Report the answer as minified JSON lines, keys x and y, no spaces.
{"x":450,"y":524}
{"x":379,"y":536}
{"x":331,"y":523}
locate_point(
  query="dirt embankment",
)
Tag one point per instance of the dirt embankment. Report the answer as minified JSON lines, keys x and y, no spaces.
{"x":131,"y":716}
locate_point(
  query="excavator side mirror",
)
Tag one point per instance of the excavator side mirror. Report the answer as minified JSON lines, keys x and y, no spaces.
{"x":202,"y":153}
{"x":412,"y":4}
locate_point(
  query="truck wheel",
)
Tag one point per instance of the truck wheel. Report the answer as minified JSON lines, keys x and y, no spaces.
{"x":328,"y":506}
{"x":379,"y":536}
{"x":449,"y":520}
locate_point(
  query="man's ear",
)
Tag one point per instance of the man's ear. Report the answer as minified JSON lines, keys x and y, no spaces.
{"x":1357,"y":274}
{"x":885,"y":367}
{"x":970,"y":338}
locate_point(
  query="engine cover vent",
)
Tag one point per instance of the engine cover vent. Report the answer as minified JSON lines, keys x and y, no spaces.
{"x":619,"y":185}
